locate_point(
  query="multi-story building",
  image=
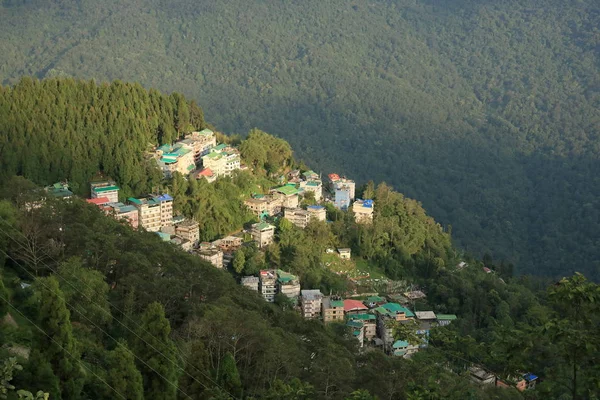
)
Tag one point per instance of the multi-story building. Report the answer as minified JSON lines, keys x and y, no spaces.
{"x":220,"y":161}
{"x":354,"y":307}
{"x":264,"y":205}
{"x":363,"y":211}
{"x":288,"y":195}
{"x":315,"y":186}
{"x":317,"y":212}
{"x":188,"y":230}
{"x":228,"y":243}
{"x":310,"y":176}
{"x":332,"y":309}
{"x":311,"y":303}
{"x":297,"y":216}
{"x":357,"y":329}
{"x":108,"y":189}
{"x":288,"y":284}
{"x":268,"y":285}
{"x":387,"y":314}
{"x":369,"y":323}
{"x":154,"y":211}
{"x":263,"y":233}
{"x":251,"y":282}
{"x":213,"y":255}
{"x":175,"y":158}
{"x":200,"y":143}
{"x":343,"y":197}
{"x":128,"y":213}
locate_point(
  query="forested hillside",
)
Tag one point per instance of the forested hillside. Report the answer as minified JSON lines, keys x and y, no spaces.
{"x":487,"y":111}
{"x":90,"y":308}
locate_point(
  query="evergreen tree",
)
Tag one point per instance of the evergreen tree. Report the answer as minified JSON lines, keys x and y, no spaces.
{"x":229,"y":377}
{"x":239,"y":261}
{"x":4,"y":307}
{"x":57,"y":343}
{"x":156,"y":352}
{"x":123,"y":375}
{"x":196,"y":378}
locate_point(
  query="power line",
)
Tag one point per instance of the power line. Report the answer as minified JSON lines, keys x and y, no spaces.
{"x":122,"y":313}
{"x":102,"y":330}
{"x":58,"y":344}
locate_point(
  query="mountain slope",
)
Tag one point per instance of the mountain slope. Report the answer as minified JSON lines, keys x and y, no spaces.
{"x":486,"y":111}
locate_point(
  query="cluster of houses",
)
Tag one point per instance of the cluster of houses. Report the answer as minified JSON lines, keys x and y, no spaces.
{"x":198,"y":154}
{"x":270,"y":282}
{"x":371,"y":320}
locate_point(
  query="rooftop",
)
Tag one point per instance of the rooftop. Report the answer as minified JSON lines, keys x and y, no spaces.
{"x":375,"y":299}
{"x":425,"y":314}
{"x":102,"y":189}
{"x":400,"y":344}
{"x":363,"y":317}
{"x":395,"y":308}
{"x":261,"y":226}
{"x":354,"y":324}
{"x":446,"y":317}
{"x":287,"y":190}
{"x":312,"y":294}
{"x":353,"y":305}
{"x":98,"y":201}
{"x":315,"y":208}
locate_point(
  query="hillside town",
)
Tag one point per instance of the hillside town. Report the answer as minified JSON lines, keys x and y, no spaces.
{"x":374,"y":320}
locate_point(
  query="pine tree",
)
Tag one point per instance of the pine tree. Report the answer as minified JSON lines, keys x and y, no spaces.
{"x":157,"y":352}
{"x":57,"y":343}
{"x":195,"y":381}
{"x":229,"y":377}
{"x":4,"y":307}
{"x":123,"y":375}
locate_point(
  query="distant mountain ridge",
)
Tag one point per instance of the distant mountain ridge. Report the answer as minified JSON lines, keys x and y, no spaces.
{"x":486,"y":111}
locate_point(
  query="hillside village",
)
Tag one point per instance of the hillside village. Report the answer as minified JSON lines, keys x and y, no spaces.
{"x":388,"y":321}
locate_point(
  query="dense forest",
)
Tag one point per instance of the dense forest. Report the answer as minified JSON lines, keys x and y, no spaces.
{"x":487,"y":111}
{"x":90,"y":308}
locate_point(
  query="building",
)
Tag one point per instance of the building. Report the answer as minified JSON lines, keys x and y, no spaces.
{"x":228,"y":244}
{"x":310,"y":176}
{"x":297,"y":216}
{"x":363,"y":211}
{"x":207,"y":174}
{"x":387,"y":314}
{"x":100,"y":201}
{"x":59,"y":190}
{"x":358,"y":330}
{"x":481,"y":377}
{"x":445,"y":319}
{"x":317,"y":212}
{"x":428,"y":316}
{"x":354,"y":307}
{"x":345,"y":185}
{"x":251,"y":282}
{"x":268,"y":285}
{"x":288,"y":284}
{"x":155,"y":211}
{"x":401,"y":348}
{"x":108,"y":189}
{"x":213,"y":255}
{"x":120,"y":211}
{"x":200,"y":143}
{"x":287,"y":195}
{"x":311,"y":303}
{"x":175,"y":158}
{"x":188,"y":230}
{"x":344,"y":253}
{"x":221,"y":160}
{"x":343,"y":197}
{"x":374,"y":301}
{"x":332,"y":309}
{"x":315,"y":186}
{"x":263,"y":233}
{"x":369,"y":323}
{"x":185,"y":244}
{"x":264,"y":205}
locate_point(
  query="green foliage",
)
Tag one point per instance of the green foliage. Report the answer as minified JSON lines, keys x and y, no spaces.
{"x":484,"y":110}
{"x":122,"y":374}
{"x":239,"y":261}
{"x":56,"y":342}
{"x":266,"y":153}
{"x":293,"y":390}
{"x":361,"y":395}
{"x":407,"y":331}
{"x":155,"y":354}
{"x":4,"y":299}
{"x":77,"y":129}
{"x":196,"y":377}
{"x":228,"y":376}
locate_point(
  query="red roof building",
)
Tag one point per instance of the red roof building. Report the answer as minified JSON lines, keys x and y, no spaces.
{"x":98,"y":201}
{"x":334,"y":177}
{"x":354,"y":307}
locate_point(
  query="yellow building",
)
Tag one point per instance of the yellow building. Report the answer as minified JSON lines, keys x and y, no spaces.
{"x":154,"y":212}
